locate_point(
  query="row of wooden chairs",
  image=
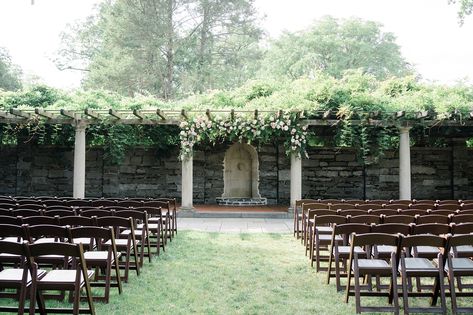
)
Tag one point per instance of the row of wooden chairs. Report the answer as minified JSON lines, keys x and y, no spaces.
{"x":157,"y":216}
{"x":302,"y":206}
{"x":396,"y":249}
{"x":47,"y":202}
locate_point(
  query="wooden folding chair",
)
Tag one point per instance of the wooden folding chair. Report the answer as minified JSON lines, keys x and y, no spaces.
{"x":140,"y":218}
{"x":423,"y":267}
{"x":73,"y":280}
{"x":308,"y":229}
{"x":367,"y":206}
{"x":18,"y":277}
{"x":166,"y":218}
{"x":320,"y":241}
{"x":155,"y":226}
{"x":432,"y":218}
{"x":383,"y":212}
{"x":457,"y":268}
{"x":365,"y":219}
{"x":96,"y":213}
{"x":369,"y":266}
{"x":128,"y":246}
{"x":400,"y":218}
{"x":339,"y":254}
{"x":305,"y":207}
{"x":100,"y":257}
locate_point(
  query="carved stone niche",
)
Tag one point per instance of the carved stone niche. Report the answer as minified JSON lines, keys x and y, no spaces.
{"x":241,"y":172}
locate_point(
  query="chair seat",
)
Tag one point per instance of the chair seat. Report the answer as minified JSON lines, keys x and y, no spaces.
{"x":45,"y":240}
{"x":11,"y":239}
{"x":461,"y":264}
{"x":427,"y":250}
{"x":373,"y":264}
{"x":419,"y":264}
{"x":464,"y":250}
{"x":345,"y":250}
{"x":97,"y":256}
{"x":385,"y":249}
{"x":324,"y":229}
{"x":63,"y":277}
{"x":328,"y":237}
{"x":119,"y":242}
{"x":153,"y":226}
{"x":154,"y":220}
{"x":138,"y":233}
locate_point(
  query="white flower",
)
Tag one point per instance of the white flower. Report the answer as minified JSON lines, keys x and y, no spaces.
{"x":183,"y":124}
{"x":292,"y":140}
{"x":271,"y":118}
{"x":273,"y":125}
{"x":304,"y":128}
{"x":183,"y":133}
{"x":297,"y":142}
{"x":293,"y":131}
{"x":286,"y":128}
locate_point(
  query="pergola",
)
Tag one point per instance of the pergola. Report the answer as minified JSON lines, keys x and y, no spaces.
{"x":80,"y":119}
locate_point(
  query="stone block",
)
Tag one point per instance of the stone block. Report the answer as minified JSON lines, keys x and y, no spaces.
{"x":345,"y":157}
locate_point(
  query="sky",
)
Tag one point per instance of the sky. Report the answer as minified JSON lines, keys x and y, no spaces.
{"x":427,"y":31}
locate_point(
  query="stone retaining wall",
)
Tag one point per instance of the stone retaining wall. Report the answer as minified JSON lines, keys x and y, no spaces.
{"x":437,"y":173}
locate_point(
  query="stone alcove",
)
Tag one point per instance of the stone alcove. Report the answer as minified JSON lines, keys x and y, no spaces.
{"x":241,"y":175}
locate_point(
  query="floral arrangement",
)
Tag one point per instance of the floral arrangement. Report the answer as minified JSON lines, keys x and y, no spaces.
{"x":252,"y":130}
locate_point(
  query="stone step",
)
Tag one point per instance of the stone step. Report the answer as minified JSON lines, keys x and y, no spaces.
{"x":234,"y":214}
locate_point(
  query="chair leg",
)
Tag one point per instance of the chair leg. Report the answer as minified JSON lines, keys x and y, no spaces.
{"x":357,"y":287}
{"x":453,"y":295}
{"x":405,"y":292}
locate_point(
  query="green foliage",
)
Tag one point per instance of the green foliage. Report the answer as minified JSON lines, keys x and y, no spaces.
{"x":356,"y":95}
{"x":10,"y":74}
{"x":168,"y":48}
{"x":334,"y":46}
{"x":465,"y":7}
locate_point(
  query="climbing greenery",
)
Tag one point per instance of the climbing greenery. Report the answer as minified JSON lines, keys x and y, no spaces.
{"x":252,"y":130}
{"x":366,"y":112}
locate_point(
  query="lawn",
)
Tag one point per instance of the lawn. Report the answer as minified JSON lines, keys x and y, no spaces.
{"x":214,"y":273}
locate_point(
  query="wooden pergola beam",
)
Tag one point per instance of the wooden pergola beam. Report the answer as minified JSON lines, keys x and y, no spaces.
{"x":115,"y":114}
{"x":160,"y":114}
{"x":41,"y":112}
{"x":68,"y":114}
{"x":91,"y":113}
{"x":20,"y":113}
{"x":138,"y":114}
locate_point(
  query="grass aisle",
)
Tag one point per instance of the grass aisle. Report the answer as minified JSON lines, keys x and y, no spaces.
{"x":213,"y":273}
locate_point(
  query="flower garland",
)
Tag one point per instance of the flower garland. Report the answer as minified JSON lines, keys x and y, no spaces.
{"x":261,"y":130}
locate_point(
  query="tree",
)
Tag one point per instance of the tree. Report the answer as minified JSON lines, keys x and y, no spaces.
{"x":465,"y":8}
{"x":333,"y":46}
{"x":10,"y":74}
{"x":164,"y":47}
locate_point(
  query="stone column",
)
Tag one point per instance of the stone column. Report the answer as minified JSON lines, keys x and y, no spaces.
{"x":296,"y":180}
{"x":187,"y":183}
{"x":404,"y":164}
{"x":79,"y":162}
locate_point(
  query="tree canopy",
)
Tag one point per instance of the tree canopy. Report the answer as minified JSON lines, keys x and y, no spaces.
{"x":165,"y":47}
{"x":10,"y":74}
{"x":465,"y":7}
{"x":333,"y":46}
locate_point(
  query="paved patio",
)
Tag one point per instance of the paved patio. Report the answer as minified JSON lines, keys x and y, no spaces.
{"x":236,"y":225}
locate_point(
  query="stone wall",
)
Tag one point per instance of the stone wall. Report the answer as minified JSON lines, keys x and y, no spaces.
{"x":329,"y":173}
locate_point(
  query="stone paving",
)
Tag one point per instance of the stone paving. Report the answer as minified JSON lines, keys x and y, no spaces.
{"x":236,"y":225}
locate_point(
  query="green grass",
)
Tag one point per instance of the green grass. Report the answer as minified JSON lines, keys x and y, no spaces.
{"x":214,"y":273}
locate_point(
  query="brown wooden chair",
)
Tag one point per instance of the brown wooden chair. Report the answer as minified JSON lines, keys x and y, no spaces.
{"x":340,"y":253}
{"x":396,"y":206}
{"x":74,"y":280}
{"x":59,"y":213}
{"x":78,"y":203}
{"x":458,"y":267}
{"x":172,"y":210}
{"x":445,"y":213}
{"x":96,"y":213}
{"x":352,"y":212}
{"x":166,"y":218}
{"x":342,"y":206}
{"x":399,"y":218}
{"x":100,"y":257}
{"x":404,"y":202}
{"x":6,"y":219}
{"x":17,"y":277}
{"x":127,"y":246}
{"x":308,"y":229}
{"x":467,"y":206}
{"x":141,"y":235}
{"x":53,"y":202}
{"x":432,"y":218}
{"x":158,"y":234}
{"x":448,"y":206}
{"x":383,"y":211}
{"x":76,"y":221}
{"x":423,"y":206}
{"x":461,"y":218}
{"x":448,"y":201}
{"x":26,"y":213}
{"x":15,"y":234}
{"x":103,"y":203}
{"x":367,"y":206}
{"x":37,"y":220}
{"x":320,"y":242}
{"x":413,"y":212}
{"x":423,"y":267}
{"x":365,"y":219}
{"x":29,"y":206}
{"x":367,"y":266}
